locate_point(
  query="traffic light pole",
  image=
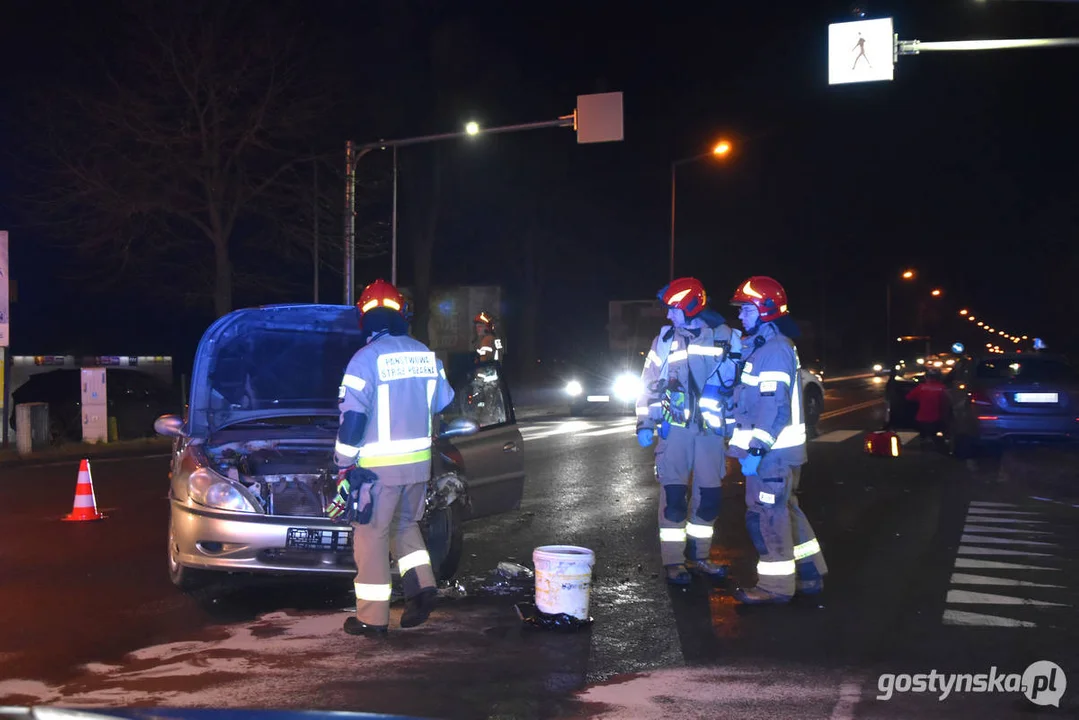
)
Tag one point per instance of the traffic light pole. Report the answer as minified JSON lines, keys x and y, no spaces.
{"x":353,"y":153}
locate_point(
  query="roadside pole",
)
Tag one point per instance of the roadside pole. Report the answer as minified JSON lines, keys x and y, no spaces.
{"x":597,"y":118}
{"x":5,"y":333}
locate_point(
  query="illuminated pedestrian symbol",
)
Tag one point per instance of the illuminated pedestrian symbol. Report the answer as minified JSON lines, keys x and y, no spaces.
{"x":860,"y":47}
{"x":861,"y":51}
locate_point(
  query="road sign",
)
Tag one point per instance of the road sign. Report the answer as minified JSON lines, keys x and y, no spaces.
{"x":861,"y":51}
{"x":599,"y":118}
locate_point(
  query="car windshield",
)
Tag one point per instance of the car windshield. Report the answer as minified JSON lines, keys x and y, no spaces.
{"x":1027,"y":369}
{"x":271,"y":370}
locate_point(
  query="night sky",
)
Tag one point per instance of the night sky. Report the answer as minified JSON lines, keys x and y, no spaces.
{"x":964,"y":167}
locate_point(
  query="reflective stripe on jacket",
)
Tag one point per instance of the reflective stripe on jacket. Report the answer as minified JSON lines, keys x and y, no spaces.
{"x":768,"y":403}
{"x":489,"y":347}
{"x":674,"y":355}
{"x":398,"y":383}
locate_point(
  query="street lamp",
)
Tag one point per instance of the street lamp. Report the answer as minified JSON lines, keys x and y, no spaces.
{"x":722,"y":149}
{"x":905,"y":275}
{"x":935,"y":293}
{"x":472,"y":128}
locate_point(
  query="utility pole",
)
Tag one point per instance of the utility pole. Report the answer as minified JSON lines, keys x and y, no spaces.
{"x":315,"y":208}
{"x":350,"y":223}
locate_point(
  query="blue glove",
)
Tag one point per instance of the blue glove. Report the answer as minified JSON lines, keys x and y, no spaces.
{"x":644,"y":437}
{"x":664,"y":430}
{"x":750,"y":463}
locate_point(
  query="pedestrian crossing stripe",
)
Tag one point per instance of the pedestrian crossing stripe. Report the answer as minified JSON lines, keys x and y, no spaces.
{"x":589,"y":429}
{"x":974,"y":544}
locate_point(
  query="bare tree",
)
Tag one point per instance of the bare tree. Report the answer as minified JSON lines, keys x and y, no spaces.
{"x":169,"y":167}
{"x":304,"y":210}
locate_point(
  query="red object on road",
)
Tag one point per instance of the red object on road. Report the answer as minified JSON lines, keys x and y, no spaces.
{"x":85,"y":507}
{"x":883,"y":443}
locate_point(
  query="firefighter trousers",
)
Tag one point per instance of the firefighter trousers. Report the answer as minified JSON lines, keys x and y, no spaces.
{"x":687,"y":516}
{"x":781,"y":533}
{"x":393,"y":530}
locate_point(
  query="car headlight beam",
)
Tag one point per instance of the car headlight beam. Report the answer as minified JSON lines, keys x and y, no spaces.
{"x":573,"y":388}
{"x":627,"y":387}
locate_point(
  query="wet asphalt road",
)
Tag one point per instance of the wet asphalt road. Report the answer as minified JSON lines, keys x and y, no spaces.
{"x":921,"y":552}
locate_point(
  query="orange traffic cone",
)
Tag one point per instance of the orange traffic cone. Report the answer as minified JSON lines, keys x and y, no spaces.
{"x":85,"y":507}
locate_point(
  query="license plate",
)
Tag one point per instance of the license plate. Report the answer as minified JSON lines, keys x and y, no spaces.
{"x":317,"y":539}
{"x":1036,"y":398}
{"x":599,"y":398}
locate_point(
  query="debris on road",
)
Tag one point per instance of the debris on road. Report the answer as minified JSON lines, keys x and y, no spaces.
{"x":563,"y":622}
{"x":512,"y":570}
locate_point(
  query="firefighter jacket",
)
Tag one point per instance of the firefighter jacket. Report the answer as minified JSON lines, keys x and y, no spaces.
{"x":688,"y":377}
{"x":767,"y":410}
{"x":390,"y":390}
{"x":489,"y":347}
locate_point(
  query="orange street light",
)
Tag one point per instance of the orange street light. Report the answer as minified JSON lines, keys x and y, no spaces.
{"x":908,"y":275}
{"x":935,"y":293}
{"x":963,"y":312}
{"x":721,"y":149}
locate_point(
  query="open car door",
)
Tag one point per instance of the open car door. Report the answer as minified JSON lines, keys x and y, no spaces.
{"x":493,"y":458}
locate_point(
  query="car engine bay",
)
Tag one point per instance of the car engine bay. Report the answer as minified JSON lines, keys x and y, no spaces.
{"x":289,"y":478}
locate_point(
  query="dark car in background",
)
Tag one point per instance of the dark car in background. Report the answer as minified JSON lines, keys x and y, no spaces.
{"x":134,"y":398}
{"x":1012,"y":396}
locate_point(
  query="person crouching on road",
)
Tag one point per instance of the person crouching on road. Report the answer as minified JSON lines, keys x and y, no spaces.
{"x":391,"y":388}
{"x":686,"y":374}
{"x":769,"y":439}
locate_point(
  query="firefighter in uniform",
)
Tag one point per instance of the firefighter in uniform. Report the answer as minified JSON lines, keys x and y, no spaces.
{"x":391,"y":388}
{"x":769,"y":439}
{"x":687,"y":383}
{"x":486,"y":344}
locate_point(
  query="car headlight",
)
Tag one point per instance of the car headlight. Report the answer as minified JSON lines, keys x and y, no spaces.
{"x":573,"y":388}
{"x":878,"y":367}
{"x":216,"y":492}
{"x":627,"y":387}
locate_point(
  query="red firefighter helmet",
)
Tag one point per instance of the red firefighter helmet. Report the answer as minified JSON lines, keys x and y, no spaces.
{"x":380,"y":294}
{"x":685,"y":294}
{"x":766,"y":294}
{"x":484,"y":319}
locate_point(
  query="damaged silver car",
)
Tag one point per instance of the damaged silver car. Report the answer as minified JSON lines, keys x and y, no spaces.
{"x":252,"y":467}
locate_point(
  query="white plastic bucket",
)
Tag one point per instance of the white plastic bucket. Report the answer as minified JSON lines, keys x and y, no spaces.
{"x":563,"y":579}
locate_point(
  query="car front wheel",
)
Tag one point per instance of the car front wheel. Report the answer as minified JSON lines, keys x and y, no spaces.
{"x":445,"y":538}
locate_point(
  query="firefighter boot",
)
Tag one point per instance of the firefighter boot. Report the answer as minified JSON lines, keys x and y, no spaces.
{"x":810,"y":587}
{"x":709,"y":568}
{"x":418,"y":608}
{"x":757,"y":596}
{"x":354,"y":626}
{"x":678,"y":575}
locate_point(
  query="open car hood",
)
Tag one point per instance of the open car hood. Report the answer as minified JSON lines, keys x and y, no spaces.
{"x":271,"y":361}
